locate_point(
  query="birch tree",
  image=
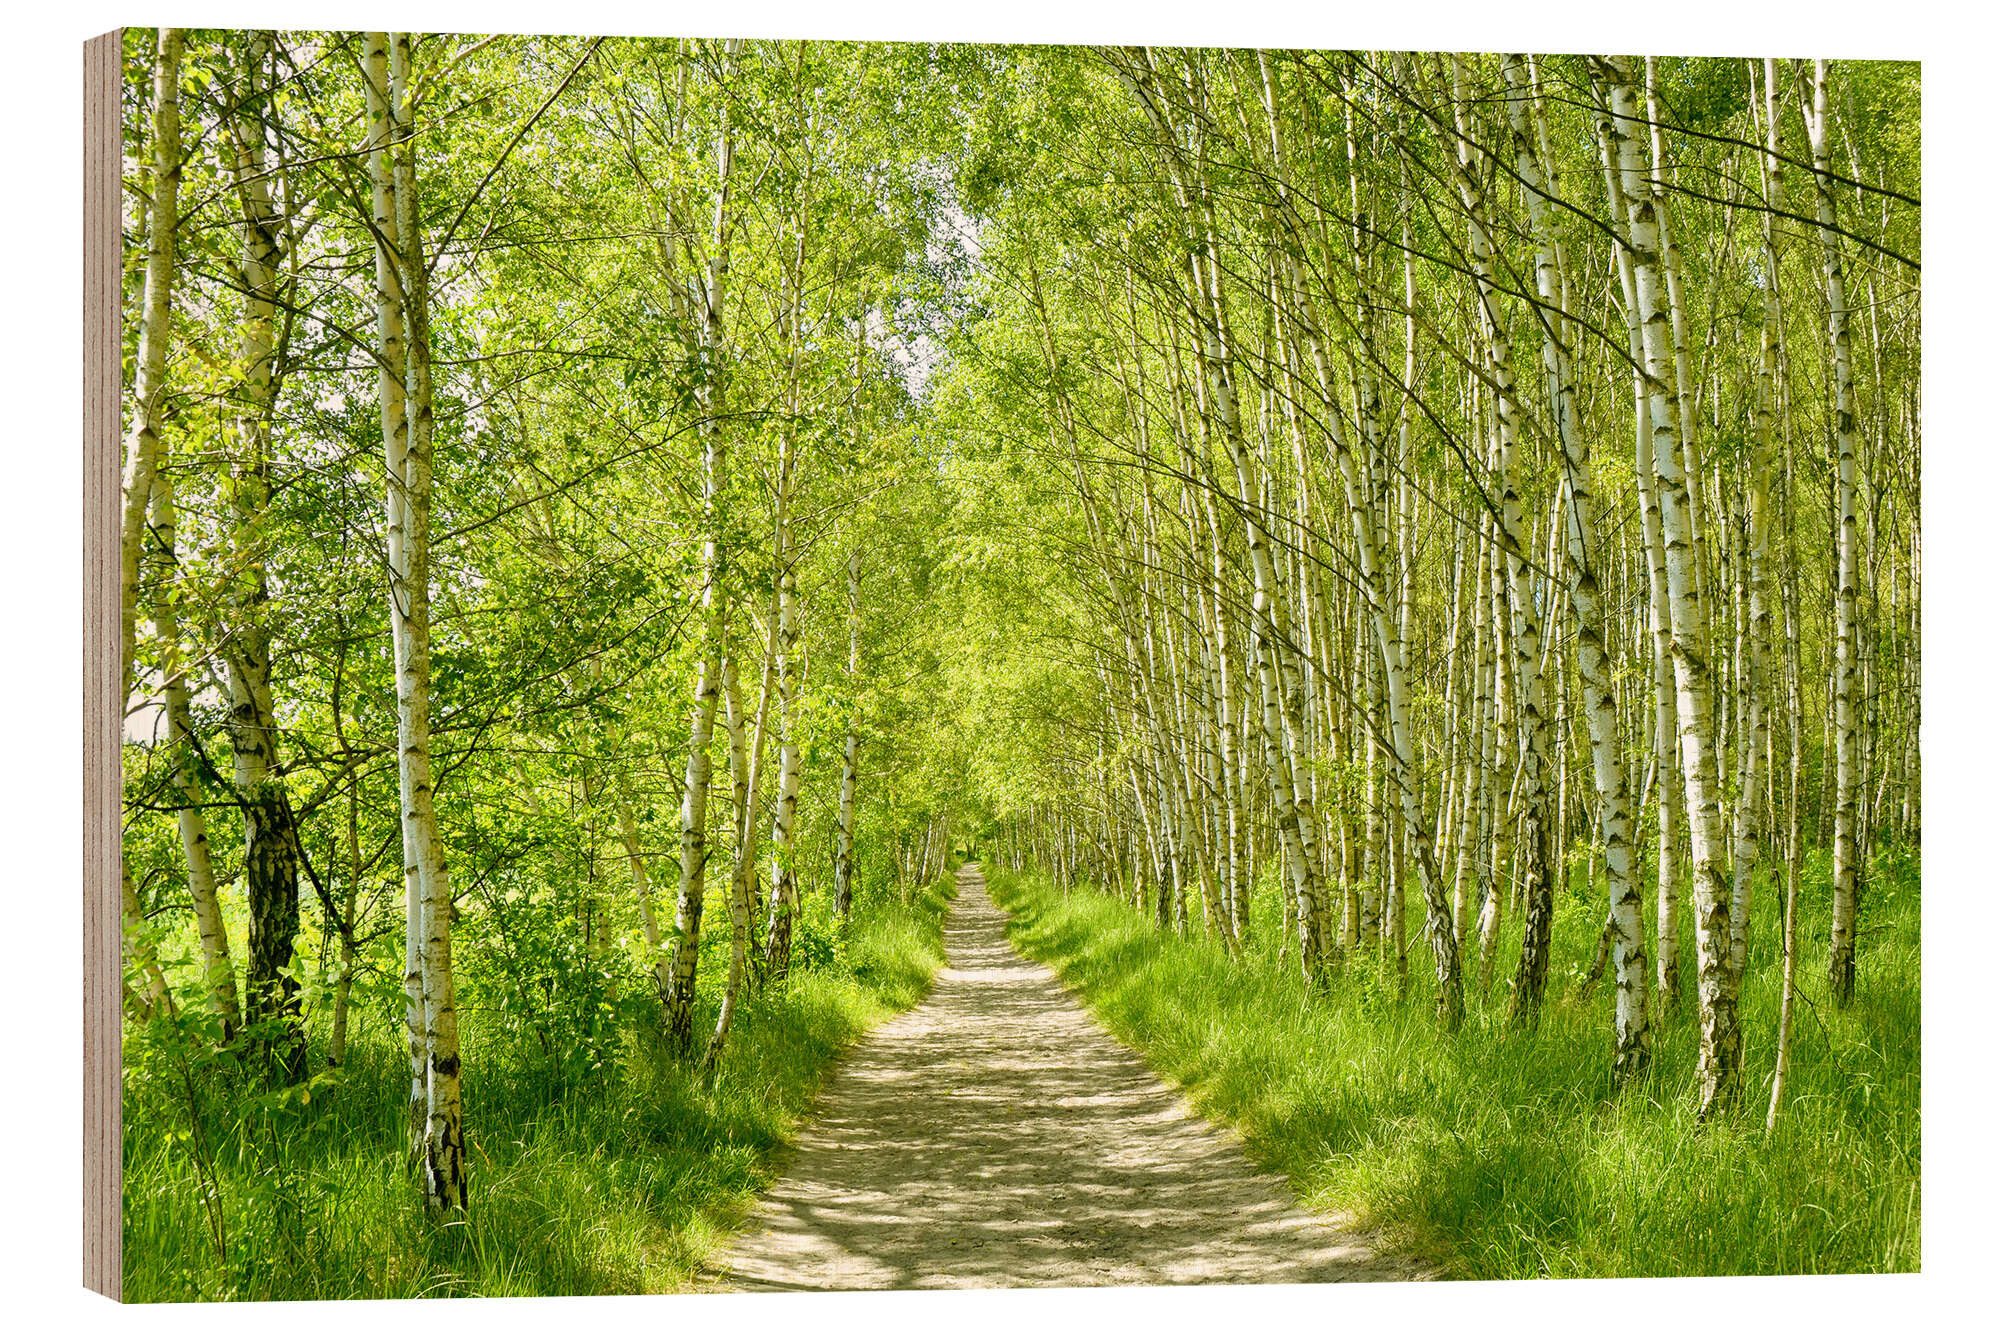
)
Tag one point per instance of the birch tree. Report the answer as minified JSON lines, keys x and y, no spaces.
{"x":843,"y":845}
{"x":1600,"y":709}
{"x":1687,"y":615}
{"x":403,"y":353}
{"x":714,"y":597}
{"x":271,"y":871}
{"x":1846,"y":651}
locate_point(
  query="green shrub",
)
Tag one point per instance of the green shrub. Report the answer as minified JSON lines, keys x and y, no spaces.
{"x":618,"y":1182}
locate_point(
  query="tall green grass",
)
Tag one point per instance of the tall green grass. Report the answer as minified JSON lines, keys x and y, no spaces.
{"x":620,"y":1181}
{"x":1496,"y":1153}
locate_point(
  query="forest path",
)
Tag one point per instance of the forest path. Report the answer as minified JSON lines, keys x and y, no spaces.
{"x":996,"y":1136}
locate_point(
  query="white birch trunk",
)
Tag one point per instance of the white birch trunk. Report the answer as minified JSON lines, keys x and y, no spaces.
{"x":402,"y":322}
{"x":1600,"y":708}
{"x":843,"y":844}
{"x":742,"y":777}
{"x":690,"y":893}
{"x":392,"y":363}
{"x":1720,"y":1060}
{"x":782,"y":907}
{"x":1846,"y":669}
{"x":1215,"y":353}
{"x":1537,"y":883}
{"x":142,"y":440}
{"x":219,"y":974}
{"x":1754,"y":652}
{"x":1669,"y":789}
{"x":1374,"y":580}
{"x":270,"y":836}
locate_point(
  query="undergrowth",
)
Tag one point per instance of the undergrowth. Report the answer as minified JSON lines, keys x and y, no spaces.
{"x":598,"y":1162}
{"x":1497,"y":1153}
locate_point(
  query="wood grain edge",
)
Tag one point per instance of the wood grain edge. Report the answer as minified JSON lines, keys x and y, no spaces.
{"x":103,"y":964}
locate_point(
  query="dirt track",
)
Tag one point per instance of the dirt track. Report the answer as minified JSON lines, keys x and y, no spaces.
{"x":996,"y":1136}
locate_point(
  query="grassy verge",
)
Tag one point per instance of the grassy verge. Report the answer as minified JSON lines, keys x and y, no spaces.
{"x":619,"y":1182}
{"x":1500,"y":1154}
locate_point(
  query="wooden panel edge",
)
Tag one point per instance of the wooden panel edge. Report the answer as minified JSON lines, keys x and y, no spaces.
{"x":103,"y":965}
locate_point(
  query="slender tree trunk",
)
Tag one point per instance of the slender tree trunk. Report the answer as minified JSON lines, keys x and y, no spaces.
{"x":1534,"y":840}
{"x":1668,"y":787}
{"x":392,"y":361}
{"x":843,"y":846}
{"x":1215,"y":351}
{"x":1500,"y":787}
{"x":270,"y":866}
{"x":742,"y":780}
{"x":1374,"y":576}
{"x":1754,"y":727}
{"x":1625,"y":929}
{"x":1846,"y":664}
{"x":343,"y":986}
{"x":402,"y":316}
{"x":689,"y":896}
{"x":1720,"y":1063}
{"x":1481,"y":761}
{"x":1794,"y":821}
{"x":219,"y":973}
{"x":782,"y":907}
{"x":142,"y":441}
{"x":642,"y":887}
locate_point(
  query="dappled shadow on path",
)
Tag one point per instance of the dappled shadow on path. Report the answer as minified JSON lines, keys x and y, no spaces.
{"x":997,"y":1136}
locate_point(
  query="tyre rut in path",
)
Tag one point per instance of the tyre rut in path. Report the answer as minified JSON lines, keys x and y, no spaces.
{"x":996,"y":1136}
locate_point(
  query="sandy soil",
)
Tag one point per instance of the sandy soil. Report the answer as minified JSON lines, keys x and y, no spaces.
{"x":996,"y":1136}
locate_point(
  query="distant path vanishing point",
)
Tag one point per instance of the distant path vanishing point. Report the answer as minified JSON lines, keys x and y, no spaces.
{"x":996,"y":1136}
